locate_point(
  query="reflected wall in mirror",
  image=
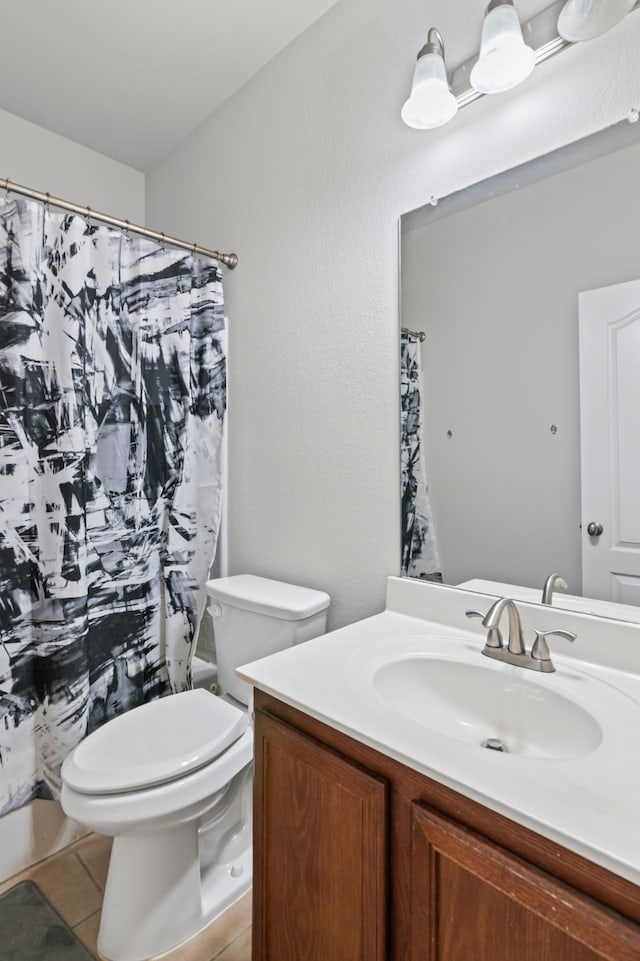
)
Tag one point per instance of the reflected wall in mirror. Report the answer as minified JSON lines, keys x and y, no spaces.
{"x":492,"y":276}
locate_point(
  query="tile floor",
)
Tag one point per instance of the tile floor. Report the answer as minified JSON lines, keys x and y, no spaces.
{"x":73,"y":881}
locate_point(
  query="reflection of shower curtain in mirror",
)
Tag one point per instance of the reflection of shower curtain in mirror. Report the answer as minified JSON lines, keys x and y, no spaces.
{"x":419,"y":547}
{"x":112,"y":399}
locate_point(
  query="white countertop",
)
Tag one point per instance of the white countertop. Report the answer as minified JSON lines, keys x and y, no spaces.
{"x":589,"y":804}
{"x":570,"y":602}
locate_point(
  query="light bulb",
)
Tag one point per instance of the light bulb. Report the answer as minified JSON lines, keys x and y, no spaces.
{"x":585,"y":19}
{"x":431,"y":102}
{"x":505,"y":59}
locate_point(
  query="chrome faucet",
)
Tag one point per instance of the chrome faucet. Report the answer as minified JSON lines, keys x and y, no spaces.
{"x":538,"y":659}
{"x":553,"y":582}
{"x":491,"y":620}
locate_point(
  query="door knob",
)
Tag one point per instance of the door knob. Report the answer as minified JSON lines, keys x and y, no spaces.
{"x":594,"y":529}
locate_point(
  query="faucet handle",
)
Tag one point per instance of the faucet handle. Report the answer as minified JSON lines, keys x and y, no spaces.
{"x":540,"y":649}
{"x":494,"y":637}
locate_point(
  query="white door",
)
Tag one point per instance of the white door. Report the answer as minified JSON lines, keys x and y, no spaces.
{"x":610,"y":441}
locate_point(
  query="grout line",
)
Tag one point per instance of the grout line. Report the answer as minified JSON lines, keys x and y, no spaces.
{"x":229,"y":943}
{"x":75,"y":927}
{"x":47,"y":857}
{"x":96,"y":886}
{"x":89,"y":871}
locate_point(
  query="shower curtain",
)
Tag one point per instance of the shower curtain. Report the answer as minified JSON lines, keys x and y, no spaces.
{"x":420,"y":557}
{"x":112,"y":400}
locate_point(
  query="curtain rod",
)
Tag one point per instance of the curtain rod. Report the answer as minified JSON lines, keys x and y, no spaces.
{"x":418,"y":334}
{"x":229,"y":260}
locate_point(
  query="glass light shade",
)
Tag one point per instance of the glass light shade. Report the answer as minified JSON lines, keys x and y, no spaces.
{"x":585,"y":19}
{"x":505,"y":59}
{"x":431,"y":103}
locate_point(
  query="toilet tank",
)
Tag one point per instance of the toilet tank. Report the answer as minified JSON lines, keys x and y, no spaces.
{"x":256,"y":616}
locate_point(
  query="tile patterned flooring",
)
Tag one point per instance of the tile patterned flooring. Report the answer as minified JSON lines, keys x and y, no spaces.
{"x":73,"y":881}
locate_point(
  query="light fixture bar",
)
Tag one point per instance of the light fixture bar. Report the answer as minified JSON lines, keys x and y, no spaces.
{"x":540,"y":33}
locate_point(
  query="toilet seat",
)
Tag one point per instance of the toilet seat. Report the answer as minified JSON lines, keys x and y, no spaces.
{"x":162,"y":805}
{"x":154,"y":744}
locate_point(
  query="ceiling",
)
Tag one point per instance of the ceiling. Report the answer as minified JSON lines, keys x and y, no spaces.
{"x":131,"y":78}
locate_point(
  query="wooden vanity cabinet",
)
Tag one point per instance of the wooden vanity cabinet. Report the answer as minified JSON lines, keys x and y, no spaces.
{"x":358,"y":858}
{"x":473,"y":900}
{"x":320,"y":824}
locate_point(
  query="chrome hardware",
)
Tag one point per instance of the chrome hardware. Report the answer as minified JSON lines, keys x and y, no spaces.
{"x":495,"y":744}
{"x":594,"y":529}
{"x":540,"y":649}
{"x":494,"y":637}
{"x":553,"y":582}
{"x":538,"y":659}
{"x":515,"y":645}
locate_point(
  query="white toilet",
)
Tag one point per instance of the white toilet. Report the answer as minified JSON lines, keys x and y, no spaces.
{"x":171,"y":781}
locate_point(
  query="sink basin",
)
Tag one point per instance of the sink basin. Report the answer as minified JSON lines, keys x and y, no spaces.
{"x":429,"y":687}
{"x":473,"y":703}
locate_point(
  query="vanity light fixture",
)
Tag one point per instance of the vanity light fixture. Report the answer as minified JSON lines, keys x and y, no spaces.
{"x":431,"y":103}
{"x":585,"y":19}
{"x":505,"y":59}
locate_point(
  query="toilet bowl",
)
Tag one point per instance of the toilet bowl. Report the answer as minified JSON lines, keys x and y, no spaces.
{"x":171,"y":780}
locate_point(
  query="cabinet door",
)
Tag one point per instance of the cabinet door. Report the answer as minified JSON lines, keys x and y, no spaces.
{"x":475,"y":901}
{"x":320,"y":852}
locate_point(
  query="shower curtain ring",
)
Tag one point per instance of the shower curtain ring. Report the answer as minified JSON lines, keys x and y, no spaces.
{"x":47,"y":203}
{"x":127,"y":230}
{"x":89,"y":216}
{"x":6,"y":188}
{"x":163,"y":243}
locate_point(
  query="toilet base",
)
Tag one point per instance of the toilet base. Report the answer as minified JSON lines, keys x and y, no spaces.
{"x":164,"y":886}
{"x":168,"y":906}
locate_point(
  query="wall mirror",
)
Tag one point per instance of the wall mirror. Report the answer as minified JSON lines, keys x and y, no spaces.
{"x":491,"y":282}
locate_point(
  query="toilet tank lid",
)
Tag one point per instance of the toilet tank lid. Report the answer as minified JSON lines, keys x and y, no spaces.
{"x":265,"y":596}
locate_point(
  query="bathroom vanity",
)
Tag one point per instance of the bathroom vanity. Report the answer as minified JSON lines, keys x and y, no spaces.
{"x":381,"y":835}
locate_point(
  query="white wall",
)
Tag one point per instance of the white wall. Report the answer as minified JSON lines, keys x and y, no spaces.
{"x":35,"y":157}
{"x":304,"y":172}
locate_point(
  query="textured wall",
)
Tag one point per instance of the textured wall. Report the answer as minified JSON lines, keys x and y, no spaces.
{"x":304,"y":172}
{"x":37,"y":158}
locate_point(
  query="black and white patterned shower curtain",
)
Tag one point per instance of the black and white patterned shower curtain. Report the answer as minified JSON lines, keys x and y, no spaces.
{"x":420,"y":556}
{"x":112,"y":401}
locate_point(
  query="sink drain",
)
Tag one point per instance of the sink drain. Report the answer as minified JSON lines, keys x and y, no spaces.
{"x":495,"y":744}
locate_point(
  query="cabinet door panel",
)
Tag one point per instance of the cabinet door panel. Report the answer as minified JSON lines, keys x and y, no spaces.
{"x":472,"y":900}
{"x":320,"y":852}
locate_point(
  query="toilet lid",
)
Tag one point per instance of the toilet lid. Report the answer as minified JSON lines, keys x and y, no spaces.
{"x":154,"y":743}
